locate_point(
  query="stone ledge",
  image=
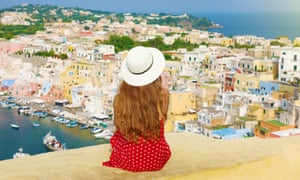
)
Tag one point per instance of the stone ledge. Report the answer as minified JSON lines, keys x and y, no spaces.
{"x":193,"y":157}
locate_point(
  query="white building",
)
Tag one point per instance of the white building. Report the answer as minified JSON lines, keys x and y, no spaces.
{"x":289,"y":64}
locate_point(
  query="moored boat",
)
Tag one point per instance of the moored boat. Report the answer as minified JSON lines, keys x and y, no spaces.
{"x":20,"y":154}
{"x":51,"y":142}
{"x":72,"y":124}
{"x":35,"y":124}
{"x":96,"y":130}
{"x":104,"y":133}
{"x":40,"y":114}
{"x":22,"y":109}
{"x":14,"y":126}
{"x":84,"y":126}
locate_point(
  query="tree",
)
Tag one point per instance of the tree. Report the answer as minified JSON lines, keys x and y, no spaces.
{"x":121,"y":43}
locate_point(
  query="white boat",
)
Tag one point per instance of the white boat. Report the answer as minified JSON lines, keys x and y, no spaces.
{"x":20,"y":154}
{"x":72,"y":124}
{"x":103,"y":134}
{"x":52,"y":143}
{"x":35,"y":124}
{"x":84,"y":126}
{"x":14,"y":126}
{"x":40,"y":114}
{"x":96,"y":130}
{"x":108,"y":137}
{"x":22,"y":109}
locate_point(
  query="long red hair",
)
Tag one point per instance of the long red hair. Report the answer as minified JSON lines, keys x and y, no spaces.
{"x":139,"y":109}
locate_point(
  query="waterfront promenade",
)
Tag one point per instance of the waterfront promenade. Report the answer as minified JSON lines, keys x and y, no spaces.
{"x":69,"y":113}
{"x":193,"y":157}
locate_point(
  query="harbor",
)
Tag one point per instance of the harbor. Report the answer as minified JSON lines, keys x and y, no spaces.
{"x":30,"y":129}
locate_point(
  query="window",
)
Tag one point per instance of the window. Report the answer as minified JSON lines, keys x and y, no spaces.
{"x":295,"y":67}
{"x":282,"y":60}
{"x":281,"y":67}
{"x":295,"y":57}
{"x":238,"y":81}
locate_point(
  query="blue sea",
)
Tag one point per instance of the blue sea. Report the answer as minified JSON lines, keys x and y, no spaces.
{"x":267,"y":25}
{"x":30,"y":138}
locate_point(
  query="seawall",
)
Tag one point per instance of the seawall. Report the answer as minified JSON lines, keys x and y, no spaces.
{"x":193,"y":157}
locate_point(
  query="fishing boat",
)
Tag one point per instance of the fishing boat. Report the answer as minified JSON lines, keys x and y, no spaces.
{"x":95,"y":130}
{"x":20,"y":154}
{"x":7,"y":104}
{"x":51,"y":142}
{"x":104,"y":133}
{"x":40,"y":114}
{"x":72,"y":124}
{"x":84,"y":126}
{"x":35,"y":124}
{"x":14,"y":126}
{"x":22,"y":109}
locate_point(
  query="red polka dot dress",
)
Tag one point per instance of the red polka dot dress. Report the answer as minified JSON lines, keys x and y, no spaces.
{"x":142,"y":156}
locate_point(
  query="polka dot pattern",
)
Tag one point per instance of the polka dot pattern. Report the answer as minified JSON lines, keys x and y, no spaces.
{"x":142,"y":156}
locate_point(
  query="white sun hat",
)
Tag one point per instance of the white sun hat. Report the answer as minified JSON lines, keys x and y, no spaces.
{"x":142,"y":66}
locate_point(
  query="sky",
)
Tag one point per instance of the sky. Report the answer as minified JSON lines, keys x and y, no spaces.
{"x":170,"y":6}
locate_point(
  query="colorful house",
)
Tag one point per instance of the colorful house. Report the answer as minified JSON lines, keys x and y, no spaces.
{"x":250,"y":82}
{"x":267,"y":88}
{"x":7,"y":83}
{"x":259,"y":112}
{"x":182,"y":106}
{"x":77,"y":74}
{"x":229,"y":82}
{"x":55,"y":93}
{"x":265,"y":128}
{"x":24,"y":89}
{"x":267,"y":66}
{"x":210,"y":116}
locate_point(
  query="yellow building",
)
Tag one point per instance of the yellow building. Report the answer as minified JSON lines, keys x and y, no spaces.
{"x":246,"y":82}
{"x":260,"y":113}
{"x":291,"y":90}
{"x":226,"y":42}
{"x":82,"y":72}
{"x":182,"y":106}
{"x":279,"y":95}
{"x":266,"y":66}
{"x":76,"y":74}
{"x":296,"y":41}
{"x":206,"y":96}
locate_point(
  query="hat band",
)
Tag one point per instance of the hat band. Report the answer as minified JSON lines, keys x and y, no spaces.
{"x":149,"y":67}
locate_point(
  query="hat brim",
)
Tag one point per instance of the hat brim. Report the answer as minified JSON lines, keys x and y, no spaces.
{"x":147,"y":77}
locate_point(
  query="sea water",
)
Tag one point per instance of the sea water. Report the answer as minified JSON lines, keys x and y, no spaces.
{"x":30,"y":138}
{"x":267,"y":25}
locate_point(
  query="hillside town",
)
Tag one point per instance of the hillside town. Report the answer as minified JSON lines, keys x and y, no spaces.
{"x":217,"y":89}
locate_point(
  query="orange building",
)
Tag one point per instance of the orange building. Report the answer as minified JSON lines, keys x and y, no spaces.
{"x":264,"y":128}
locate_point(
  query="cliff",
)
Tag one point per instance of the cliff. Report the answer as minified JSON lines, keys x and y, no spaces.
{"x":193,"y":157}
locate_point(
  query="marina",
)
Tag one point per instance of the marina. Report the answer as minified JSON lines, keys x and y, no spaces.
{"x":18,"y":130}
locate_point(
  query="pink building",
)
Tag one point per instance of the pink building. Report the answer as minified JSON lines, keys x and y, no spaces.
{"x":167,"y":80}
{"x":25,"y":89}
{"x":10,"y":48}
{"x":55,"y":93}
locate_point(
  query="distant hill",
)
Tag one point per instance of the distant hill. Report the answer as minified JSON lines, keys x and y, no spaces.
{"x":40,"y":14}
